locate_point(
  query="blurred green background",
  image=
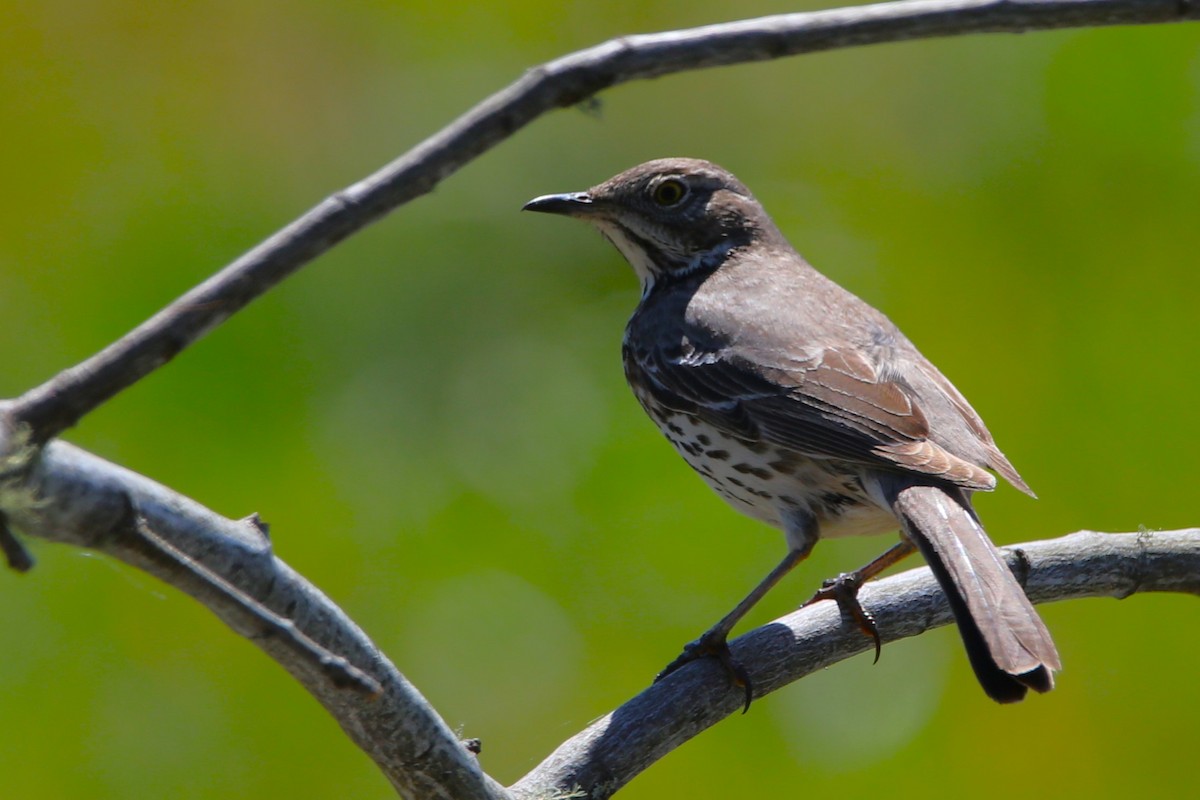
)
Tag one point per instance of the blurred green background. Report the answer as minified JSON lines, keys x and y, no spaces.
{"x":434,"y":421}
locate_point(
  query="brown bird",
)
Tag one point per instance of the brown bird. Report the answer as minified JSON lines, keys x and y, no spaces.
{"x":806,"y":408}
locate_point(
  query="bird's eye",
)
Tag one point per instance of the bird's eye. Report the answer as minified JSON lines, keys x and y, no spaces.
{"x":669,"y":192}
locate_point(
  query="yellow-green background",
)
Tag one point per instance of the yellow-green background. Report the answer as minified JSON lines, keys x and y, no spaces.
{"x":434,"y":421}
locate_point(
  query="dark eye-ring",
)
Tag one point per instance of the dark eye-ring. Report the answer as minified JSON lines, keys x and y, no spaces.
{"x":669,"y":192}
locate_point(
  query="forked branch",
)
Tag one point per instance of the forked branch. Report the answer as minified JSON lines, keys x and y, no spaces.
{"x":57,"y":492}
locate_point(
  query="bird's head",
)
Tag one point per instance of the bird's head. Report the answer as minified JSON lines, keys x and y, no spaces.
{"x":670,"y":218}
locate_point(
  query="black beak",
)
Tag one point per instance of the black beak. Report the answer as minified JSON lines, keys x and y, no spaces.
{"x":571,"y":204}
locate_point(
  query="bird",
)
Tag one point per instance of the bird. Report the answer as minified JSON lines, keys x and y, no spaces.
{"x":806,"y":408}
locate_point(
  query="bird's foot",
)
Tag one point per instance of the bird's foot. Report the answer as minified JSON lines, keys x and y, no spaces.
{"x":844,"y":590}
{"x":713,"y":644}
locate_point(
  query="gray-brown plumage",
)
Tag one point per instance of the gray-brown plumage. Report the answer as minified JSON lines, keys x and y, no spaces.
{"x":805,"y":407}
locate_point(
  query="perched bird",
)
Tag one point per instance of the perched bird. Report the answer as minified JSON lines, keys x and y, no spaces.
{"x":806,"y":408}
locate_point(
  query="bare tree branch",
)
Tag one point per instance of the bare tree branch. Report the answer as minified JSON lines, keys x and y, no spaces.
{"x":61,"y":402}
{"x":60,"y":493}
{"x":88,"y":502}
{"x":610,"y":752}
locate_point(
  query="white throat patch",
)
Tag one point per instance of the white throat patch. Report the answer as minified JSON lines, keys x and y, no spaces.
{"x":642,"y":265}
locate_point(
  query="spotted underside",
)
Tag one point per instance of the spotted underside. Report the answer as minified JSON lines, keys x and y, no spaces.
{"x":769,"y":483}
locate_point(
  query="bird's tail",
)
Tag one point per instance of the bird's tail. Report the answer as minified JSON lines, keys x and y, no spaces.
{"x":1006,"y":641}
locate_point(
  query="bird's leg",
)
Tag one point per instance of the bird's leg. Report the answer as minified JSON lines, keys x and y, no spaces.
{"x":713,"y":642}
{"x":844,"y":589}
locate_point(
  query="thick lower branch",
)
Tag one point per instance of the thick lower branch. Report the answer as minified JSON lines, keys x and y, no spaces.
{"x":76,"y":498}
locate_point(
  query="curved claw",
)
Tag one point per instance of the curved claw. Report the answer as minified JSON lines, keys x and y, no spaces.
{"x":713,"y":647}
{"x":844,"y":590}
{"x":737,"y":675}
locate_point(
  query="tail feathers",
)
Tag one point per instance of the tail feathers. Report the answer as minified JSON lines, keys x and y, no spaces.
{"x":1007,"y":643}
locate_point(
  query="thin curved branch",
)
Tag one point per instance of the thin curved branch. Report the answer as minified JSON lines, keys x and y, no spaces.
{"x":62,"y":401}
{"x":614,"y":749}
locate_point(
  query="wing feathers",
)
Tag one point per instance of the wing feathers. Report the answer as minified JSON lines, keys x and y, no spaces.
{"x":823,"y":402}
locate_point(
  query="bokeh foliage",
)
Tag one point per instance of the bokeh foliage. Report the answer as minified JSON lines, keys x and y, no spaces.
{"x":434,"y":421}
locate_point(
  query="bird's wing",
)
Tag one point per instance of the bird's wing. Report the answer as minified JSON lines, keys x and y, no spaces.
{"x":827,"y":402}
{"x":995,"y":459}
